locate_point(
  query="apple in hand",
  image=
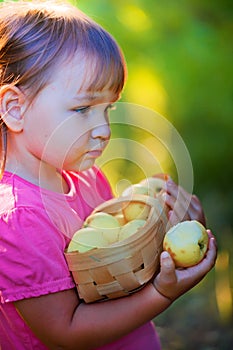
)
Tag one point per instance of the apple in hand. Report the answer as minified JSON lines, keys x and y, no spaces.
{"x":186,"y":242}
{"x":105,"y":223}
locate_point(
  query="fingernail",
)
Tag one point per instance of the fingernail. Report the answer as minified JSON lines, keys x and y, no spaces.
{"x":165,"y":254}
{"x":164,"y":196}
{"x":169,"y":214}
{"x":166,"y":258}
{"x":169,"y":182}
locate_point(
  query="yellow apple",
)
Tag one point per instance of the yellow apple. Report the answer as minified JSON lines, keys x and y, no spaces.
{"x":130,"y":228}
{"x":187,"y":243}
{"x":135,"y":210}
{"x":120,"y":218}
{"x":105,"y":223}
{"x":154,"y":184}
{"x":85,"y":239}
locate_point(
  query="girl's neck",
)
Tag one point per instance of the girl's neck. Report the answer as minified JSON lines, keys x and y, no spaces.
{"x":25,"y":164}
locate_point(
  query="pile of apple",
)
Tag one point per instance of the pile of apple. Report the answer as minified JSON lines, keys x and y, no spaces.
{"x":186,"y":242}
{"x":102,"y":229}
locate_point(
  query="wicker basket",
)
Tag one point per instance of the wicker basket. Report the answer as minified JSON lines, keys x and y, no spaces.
{"x":120,"y":269}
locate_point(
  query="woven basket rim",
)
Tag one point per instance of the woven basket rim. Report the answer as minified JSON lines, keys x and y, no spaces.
{"x":116,"y":201}
{"x":127,"y":199}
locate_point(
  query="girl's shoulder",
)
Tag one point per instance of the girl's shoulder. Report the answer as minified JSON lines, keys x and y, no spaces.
{"x":23,"y":202}
{"x":31,"y":243}
{"x":21,"y":206}
{"x":16,"y":192}
{"x":24,"y":205}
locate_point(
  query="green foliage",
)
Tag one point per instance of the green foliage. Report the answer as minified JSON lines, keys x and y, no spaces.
{"x":179,"y":57}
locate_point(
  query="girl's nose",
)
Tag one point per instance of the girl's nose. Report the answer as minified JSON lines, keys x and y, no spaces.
{"x":101,"y":131}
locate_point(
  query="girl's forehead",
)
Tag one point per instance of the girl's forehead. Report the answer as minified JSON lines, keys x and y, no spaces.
{"x":72,"y":67}
{"x":79,"y":74}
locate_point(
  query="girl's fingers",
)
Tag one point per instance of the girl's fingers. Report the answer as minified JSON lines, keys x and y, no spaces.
{"x":176,"y":191}
{"x":198,"y":215}
{"x":179,"y":195}
{"x":184,"y":206}
{"x":167,"y":275}
{"x":210,"y":234}
{"x":173,"y":218}
{"x":212,"y":241}
{"x":167,"y":269}
{"x":179,"y":210}
{"x":196,"y":212}
{"x":209,"y":261}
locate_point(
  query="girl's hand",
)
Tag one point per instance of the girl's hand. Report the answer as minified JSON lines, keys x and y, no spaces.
{"x":183,"y":206}
{"x":172,"y":283}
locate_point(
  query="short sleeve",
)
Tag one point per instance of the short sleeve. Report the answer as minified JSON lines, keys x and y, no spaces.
{"x":31,"y":256}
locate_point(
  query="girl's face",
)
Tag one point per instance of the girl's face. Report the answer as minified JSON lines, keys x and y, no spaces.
{"x":66,"y":126}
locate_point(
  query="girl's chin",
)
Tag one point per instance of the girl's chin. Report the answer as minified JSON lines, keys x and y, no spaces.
{"x":84,"y":165}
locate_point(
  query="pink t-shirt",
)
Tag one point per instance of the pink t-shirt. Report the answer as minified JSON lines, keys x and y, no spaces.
{"x":35,"y":228}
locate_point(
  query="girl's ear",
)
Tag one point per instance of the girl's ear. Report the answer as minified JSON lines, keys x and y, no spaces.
{"x":11,"y":107}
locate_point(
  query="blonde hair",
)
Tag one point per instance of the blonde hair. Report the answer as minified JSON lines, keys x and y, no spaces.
{"x":36,"y":35}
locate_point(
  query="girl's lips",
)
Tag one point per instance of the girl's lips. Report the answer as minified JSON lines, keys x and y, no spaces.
{"x":95,"y":153}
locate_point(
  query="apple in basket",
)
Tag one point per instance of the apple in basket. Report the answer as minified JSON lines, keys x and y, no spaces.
{"x":100,"y":229}
{"x":130,"y":228}
{"x":88,"y":237}
{"x":120,"y":218}
{"x":155,"y":184}
{"x":105,"y":223}
{"x":186,"y":242}
{"x":150,"y":186}
{"x":138,"y":189}
{"x":85,"y":239}
{"x":136,"y":209}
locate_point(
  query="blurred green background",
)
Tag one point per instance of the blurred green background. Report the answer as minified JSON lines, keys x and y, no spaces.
{"x":179,"y":58}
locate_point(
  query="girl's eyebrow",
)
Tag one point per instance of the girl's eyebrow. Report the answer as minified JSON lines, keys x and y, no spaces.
{"x":86,"y":97}
{"x":92,"y":97}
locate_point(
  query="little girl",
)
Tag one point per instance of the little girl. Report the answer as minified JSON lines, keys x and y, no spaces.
{"x":60,"y":72}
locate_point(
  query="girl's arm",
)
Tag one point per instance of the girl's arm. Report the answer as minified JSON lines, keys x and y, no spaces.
{"x":61,"y":321}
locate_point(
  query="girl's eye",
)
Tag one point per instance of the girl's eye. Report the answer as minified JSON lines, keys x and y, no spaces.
{"x":82,"y":110}
{"x":85,"y":109}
